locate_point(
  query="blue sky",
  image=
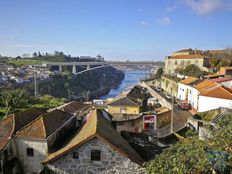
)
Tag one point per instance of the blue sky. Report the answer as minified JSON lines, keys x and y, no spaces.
{"x":116,"y":29}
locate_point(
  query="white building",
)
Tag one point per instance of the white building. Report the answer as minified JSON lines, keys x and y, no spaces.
{"x":215,"y":98}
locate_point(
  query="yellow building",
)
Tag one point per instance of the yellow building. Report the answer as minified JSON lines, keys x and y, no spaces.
{"x":124,"y":105}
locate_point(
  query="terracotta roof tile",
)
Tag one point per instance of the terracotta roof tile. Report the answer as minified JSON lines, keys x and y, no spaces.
{"x":75,"y":107}
{"x":123,"y":101}
{"x":45,"y":125}
{"x":14,"y":122}
{"x":6,"y":129}
{"x":219,"y":92}
{"x":25,"y":117}
{"x":206,"y":85}
{"x":189,"y":80}
{"x":191,"y":56}
{"x":220,"y":80}
{"x":96,"y":126}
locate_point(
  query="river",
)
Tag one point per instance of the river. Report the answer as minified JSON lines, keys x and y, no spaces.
{"x":131,"y":78}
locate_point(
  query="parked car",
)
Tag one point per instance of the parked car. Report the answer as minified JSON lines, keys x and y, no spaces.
{"x":158,"y":89}
{"x":184,"y":105}
{"x":169,"y":97}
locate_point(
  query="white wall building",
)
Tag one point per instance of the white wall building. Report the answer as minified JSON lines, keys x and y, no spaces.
{"x":215,"y":98}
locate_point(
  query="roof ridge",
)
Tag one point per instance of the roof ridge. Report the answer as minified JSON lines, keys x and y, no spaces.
{"x":29,"y":123}
{"x":227,"y":91}
{"x":44,"y":129}
{"x":6,"y":117}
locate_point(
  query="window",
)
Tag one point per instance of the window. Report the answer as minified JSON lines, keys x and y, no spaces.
{"x":176,"y":62}
{"x":30,"y":152}
{"x":75,"y":155}
{"x":95,"y":155}
{"x":182,"y":62}
{"x":196,"y":62}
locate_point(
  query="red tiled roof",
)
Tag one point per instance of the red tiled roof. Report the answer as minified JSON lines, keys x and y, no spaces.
{"x":206,"y":85}
{"x":219,"y":92}
{"x":191,"y":56}
{"x":45,"y":125}
{"x":189,"y":80}
{"x":6,"y":130}
{"x":14,"y":122}
{"x":96,"y":126}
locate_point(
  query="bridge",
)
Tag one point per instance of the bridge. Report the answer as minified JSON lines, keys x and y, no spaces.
{"x":99,"y":64}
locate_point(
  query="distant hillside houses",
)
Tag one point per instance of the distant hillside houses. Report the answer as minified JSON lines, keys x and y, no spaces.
{"x":179,"y":60}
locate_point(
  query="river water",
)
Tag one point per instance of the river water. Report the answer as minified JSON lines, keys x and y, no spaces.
{"x":132,"y":77}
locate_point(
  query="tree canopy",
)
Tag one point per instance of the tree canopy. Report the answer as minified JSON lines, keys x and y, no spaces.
{"x":193,"y":157}
{"x":192,"y":70}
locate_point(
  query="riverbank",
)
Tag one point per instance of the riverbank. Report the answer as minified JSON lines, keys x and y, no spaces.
{"x":132,"y":77}
{"x":83,"y":86}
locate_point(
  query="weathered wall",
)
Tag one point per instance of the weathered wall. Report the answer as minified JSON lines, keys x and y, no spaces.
{"x":170,"y":86}
{"x":130,"y":125}
{"x":111,"y":161}
{"x":31,"y":164}
{"x":11,"y":151}
{"x":128,"y":109}
{"x":171,"y":65}
{"x":163,"y":119}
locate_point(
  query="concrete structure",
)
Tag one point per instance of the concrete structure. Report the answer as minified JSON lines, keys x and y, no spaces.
{"x":99,"y":64}
{"x":170,"y":86}
{"x":180,"y":59}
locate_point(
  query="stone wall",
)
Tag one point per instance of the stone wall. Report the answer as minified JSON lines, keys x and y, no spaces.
{"x":163,"y":119}
{"x":170,"y":86}
{"x":111,"y":161}
{"x":135,"y":125}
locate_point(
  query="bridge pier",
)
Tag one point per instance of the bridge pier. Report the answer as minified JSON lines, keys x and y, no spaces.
{"x":60,"y":68}
{"x":74,"y":69}
{"x":88,"y":67}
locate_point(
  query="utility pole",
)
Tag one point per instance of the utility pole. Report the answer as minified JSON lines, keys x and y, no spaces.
{"x":69,"y":95}
{"x":87,"y":96}
{"x":172,"y":115}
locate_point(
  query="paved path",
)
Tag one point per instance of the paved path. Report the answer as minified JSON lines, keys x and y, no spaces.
{"x":180,"y":116}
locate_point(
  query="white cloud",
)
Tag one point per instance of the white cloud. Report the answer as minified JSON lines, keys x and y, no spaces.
{"x":203,"y":7}
{"x":170,"y":8}
{"x":164,"y":20}
{"x":144,"y":23}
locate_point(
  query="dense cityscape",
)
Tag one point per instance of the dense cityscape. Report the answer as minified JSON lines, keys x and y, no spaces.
{"x":118,"y":112}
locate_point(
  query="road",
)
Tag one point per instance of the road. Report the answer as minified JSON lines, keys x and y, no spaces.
{"x":180,"y":116}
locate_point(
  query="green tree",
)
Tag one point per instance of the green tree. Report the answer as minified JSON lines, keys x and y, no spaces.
{"x":191,"y":156}
{"x":15,"y":99}
{"x":49,"y":102}
{"x":193,"y":70}
{"x":159,"y":73}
